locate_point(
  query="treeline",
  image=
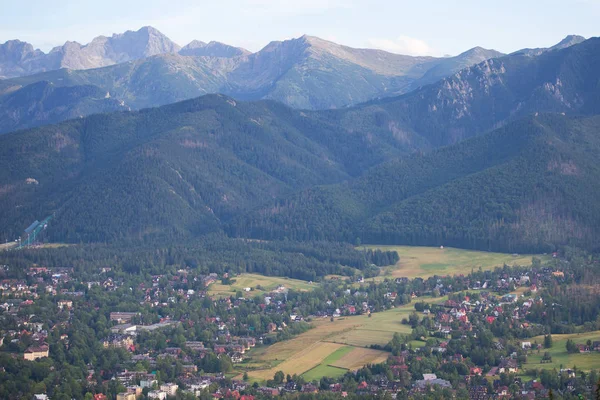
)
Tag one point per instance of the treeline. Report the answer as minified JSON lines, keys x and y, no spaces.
{"x":216,"y":253}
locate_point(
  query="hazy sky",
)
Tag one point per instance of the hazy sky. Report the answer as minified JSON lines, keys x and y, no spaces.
{"x":418,"y":27}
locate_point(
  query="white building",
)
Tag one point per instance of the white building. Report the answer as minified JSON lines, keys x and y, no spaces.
{"x":169,"y":388}
{"x":157,"y":394}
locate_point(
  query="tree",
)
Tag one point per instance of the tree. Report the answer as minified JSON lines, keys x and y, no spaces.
{"x":279,"y":377}
{"x":245,"y":377}
{"x":548,"y":341}
{"x":571,"y":347}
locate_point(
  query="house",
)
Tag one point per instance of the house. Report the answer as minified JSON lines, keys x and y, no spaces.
{"x":428,"y":382}
{"x":118,"y":341}
{"x":236,"y":357}
{"x":40,"y":396}
{"x":35,"y":352}
{"x":583,"y":348}
{"x":155,"y":394}
{"x":271,"y":327}
{"x":148,"y":383}
{"x":525,"y":345}
{"x":128,"y":329}
{"x":479,"y":392}
{"x":68,"y":304}
{"x":309,"y":388}
{"x":137,"y":390}
{"x":267,"y":391}
{"x":169,"y":388}
{"x":502,"y":391}
{"x":122,"y":317}
{"x":508,"y":365}
{"x":100,"y":396}
{"x":126,"y":396}
{"x":533,"y":288}
{"x":195,"y":345}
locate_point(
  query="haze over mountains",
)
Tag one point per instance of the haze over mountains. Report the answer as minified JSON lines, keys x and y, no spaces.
{"x":513,"y":178}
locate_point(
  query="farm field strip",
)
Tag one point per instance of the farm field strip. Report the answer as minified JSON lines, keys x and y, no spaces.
{"x":359,"y":357}
{"x":300,"y":362}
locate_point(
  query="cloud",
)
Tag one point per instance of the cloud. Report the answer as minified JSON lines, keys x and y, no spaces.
{"x":403,"y":45}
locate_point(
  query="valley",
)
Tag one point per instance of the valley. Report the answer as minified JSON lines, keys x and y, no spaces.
{"x":299,"y":219}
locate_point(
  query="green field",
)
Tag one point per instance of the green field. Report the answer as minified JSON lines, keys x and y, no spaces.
{"x":583,"y":361}
{"x":268,"y":283}
{"x":380,"y":327}
{"x":424,"y":262}
{"x":326,"y":369}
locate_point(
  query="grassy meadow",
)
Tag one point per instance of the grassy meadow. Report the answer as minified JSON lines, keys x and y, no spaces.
{"x":558,"y":351}
{"x":268,"y":283}
{"x":424,"y":262}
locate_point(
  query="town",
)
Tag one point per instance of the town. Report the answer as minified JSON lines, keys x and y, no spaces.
{"x":125,"y":336}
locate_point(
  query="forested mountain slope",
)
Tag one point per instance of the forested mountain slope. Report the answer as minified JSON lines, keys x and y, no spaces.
{"x":172,"y":171}
{"x":44,"y":103}
{"x":265,"y":170}
{"x":528,"y":186}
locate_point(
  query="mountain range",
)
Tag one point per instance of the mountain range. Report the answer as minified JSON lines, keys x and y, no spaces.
{"x":501,"y":155}
{"x":146,"y":69}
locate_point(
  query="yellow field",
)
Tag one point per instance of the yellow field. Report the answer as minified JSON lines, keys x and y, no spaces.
{"x":380,"y":328}
{"x":428,"y":261}
{"x":359,"y":357}
{"x":300,"y":362}
{"x":253,"y":280}
{"x":309,"y":349}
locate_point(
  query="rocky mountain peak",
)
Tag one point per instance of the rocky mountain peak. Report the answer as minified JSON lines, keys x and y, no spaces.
{"x":568,"y":41}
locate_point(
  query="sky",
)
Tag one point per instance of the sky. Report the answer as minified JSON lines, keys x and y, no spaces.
{"x":415,"y":27}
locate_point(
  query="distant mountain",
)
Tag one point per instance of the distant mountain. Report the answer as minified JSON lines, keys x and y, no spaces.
{"x":44,"y":103}
{"x":307,"y":72}
{"x":450,"y":65}
{"x":489,"y":95}
{"x":18,"y":58}
{"x":213,"y":49}
{"x":563,"y":44}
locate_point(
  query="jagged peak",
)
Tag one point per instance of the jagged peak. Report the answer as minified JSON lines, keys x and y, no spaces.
{"x":195,"y":44}
{"x":569,"y":40}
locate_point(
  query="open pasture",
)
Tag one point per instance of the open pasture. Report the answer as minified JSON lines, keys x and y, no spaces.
{"x":417,"y":261}
{"x":251,"y":281}
{"x":560,"y":356}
